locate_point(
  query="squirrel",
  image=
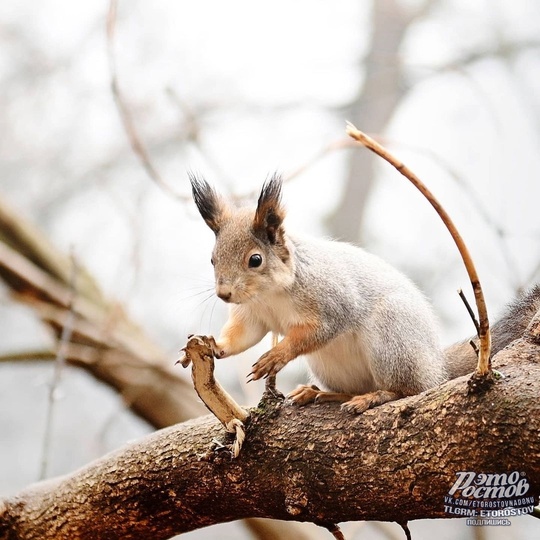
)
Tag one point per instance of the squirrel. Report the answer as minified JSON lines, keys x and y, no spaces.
{"x":368,"y":333}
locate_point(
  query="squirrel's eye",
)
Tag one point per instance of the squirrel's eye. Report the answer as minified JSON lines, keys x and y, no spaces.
{"x":212,"y":261}
{"x":255,"y":261}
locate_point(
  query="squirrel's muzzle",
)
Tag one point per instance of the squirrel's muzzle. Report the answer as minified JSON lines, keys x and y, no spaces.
{"x":224,"y":292}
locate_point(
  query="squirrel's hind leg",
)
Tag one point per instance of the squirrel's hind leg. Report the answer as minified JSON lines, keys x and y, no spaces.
{"x":304,"y":394}
{"x":360,"y":404}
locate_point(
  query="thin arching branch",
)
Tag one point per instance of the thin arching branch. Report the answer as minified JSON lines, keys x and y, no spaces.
{"x":126,"y":117}
{"x":60,"y":362}
{"x":484,"y":358}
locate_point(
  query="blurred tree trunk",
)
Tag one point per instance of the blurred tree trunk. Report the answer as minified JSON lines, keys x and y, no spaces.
{"x":374,"y":106}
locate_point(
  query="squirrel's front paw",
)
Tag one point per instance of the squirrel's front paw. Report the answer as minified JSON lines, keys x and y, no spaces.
{"x":219,"y":349}
{"x":268,"y":364}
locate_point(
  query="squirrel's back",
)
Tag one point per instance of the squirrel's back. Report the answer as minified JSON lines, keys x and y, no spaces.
{"x":386,"y":335}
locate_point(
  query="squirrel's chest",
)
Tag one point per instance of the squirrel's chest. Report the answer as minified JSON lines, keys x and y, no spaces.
{"x":344,"y":365}
{"x":278,"y":313}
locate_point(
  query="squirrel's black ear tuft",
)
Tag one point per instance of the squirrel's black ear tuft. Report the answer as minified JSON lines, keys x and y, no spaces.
{"x":270,"y":213}
{"x":211,"y":207}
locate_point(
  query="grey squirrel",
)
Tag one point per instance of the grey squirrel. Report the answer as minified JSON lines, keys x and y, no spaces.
{"x":368,"y":333}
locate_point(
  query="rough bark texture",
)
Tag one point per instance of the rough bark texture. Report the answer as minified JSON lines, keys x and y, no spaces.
{"x":316,"y":463}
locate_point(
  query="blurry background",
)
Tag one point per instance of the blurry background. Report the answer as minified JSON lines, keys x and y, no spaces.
{"x":104,"y":107}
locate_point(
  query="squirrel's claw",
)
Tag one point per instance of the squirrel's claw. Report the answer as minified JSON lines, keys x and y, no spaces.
{"x":357,"y":405}
{"x":184,"y":359}
{"x":217,"y":350}
{"x":267,"y":365}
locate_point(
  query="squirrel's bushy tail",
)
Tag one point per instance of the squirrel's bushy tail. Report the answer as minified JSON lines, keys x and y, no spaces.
{"x":460,"y":357}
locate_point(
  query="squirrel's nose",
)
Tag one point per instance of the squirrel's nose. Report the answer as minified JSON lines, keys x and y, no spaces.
{"x":224,"y":293}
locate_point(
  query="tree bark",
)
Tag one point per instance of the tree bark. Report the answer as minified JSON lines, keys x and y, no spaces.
{"x":315,"y":463}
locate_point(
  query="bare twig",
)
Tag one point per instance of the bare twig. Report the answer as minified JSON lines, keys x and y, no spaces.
{"x":128,"y":124}
{"x":405,"y":526}
{"x":484,"y":359}
{"x":495,"y":227}
{"x":270,"y":383}
{"x":193,"y":134}
{"x":469,"y":310}
{"x":59,"y":364}
{"x":340,"y":144}
{"x":28,"y":356}
{"x":474,"y":347}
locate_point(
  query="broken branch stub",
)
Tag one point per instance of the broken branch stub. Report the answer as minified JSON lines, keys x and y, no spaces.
{"x":199,"y":352}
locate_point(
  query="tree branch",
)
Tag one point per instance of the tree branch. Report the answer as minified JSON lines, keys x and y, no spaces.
{"x":104,"y":342}
{"x":126,"y":117}
{"x":59,"y":364}
{"x":316,"y":463}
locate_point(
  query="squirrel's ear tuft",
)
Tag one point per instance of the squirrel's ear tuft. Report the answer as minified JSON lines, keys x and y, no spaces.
{"x":211,"y":207}
{"x":270,"y":213}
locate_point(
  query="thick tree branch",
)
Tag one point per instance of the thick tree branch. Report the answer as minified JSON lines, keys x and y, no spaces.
{"x":316,"y":463}
{"x":31,"y":244}
{"x":104,"y":341}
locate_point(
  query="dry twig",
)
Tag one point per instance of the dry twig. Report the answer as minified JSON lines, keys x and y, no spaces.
{"x":128,"y":124}
{"x":59,"y":364}
{"x":484,"y":358}
{"x":469,"y":310}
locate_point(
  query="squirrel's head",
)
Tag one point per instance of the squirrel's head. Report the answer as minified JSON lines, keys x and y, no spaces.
{"x":251,"y":256}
